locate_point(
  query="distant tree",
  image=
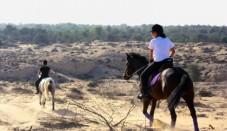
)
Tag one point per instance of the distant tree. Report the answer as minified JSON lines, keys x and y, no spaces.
{"x":1,"y":43}
{"x":224,"y":39}
{"x":40,"y":39}
{"x":69,"y":33}
{"x":202,"y":37}
{"x":98,"y":32}
{"x":9,"y":29}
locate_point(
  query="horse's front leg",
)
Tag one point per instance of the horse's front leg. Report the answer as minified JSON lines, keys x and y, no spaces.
{"x":40,"y":96}
{"x":146,"y":104}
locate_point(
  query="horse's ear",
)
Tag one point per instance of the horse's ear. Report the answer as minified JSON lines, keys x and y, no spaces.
{"x":127,"y":55}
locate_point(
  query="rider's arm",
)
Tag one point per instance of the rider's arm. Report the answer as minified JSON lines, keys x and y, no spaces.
{"x":51,"y":72}
{"x":39,"y":72}
{"x":151,"y":54}
{"x":172,"y":52}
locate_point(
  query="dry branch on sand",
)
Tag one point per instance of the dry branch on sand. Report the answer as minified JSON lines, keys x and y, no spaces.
{"x":106,"y":119}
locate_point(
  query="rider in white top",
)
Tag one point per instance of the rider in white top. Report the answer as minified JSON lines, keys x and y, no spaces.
{"x":160,"y":47}
{"x":160,"y":50}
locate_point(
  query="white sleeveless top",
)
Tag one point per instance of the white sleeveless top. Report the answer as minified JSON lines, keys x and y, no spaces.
{"x":161,"y":47}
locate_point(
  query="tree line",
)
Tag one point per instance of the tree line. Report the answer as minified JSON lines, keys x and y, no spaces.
{"x":69,"y":33}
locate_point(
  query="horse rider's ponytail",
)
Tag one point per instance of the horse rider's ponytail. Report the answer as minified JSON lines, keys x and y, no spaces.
{"x":162,"y":35}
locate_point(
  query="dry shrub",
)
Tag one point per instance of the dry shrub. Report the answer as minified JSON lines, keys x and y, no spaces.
{"x":54,"y":50}
{"x":112,"y":44}
{"x":75,"y":90}
{"x":60,"y":100}
{"x":220,"y":113}
{"x":22,"y":90}
{"x":112,"y":95}
{"x":119,"y":76}
{"x":93,"y":83}
{"x":92,"y":90}
{"x":201,"y":115}
{"x":199,"y":104}
{"x":75,"y":94}
{"x":61,"y":123}
{"x":2,"y":91}
{"x":31,"y":83}
{"x":4,"y":123}
{"x":224,"y":105}
{"x":107,"y":92}
{"x":194,"y":72}
{"x":204,"y":93}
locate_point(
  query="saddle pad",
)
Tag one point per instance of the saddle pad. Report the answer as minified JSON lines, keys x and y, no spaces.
{"x":154,"y":79}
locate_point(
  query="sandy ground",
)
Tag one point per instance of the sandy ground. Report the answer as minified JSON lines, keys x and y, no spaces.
{"x":90,"y":80}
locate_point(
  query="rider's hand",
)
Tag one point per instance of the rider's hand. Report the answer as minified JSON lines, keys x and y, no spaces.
{"x":152,"y":60}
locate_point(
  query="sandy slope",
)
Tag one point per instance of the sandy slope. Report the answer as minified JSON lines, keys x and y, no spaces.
{"x":96,"y":83}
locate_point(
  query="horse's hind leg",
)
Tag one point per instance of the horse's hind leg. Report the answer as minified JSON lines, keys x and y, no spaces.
{"x":44,"y":100}
{"x":52,"y":93}
{"x":173,"y":117}
{"x":190,"y":105}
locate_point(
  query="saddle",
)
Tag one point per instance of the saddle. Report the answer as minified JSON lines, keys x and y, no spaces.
{"x":168,"y":63}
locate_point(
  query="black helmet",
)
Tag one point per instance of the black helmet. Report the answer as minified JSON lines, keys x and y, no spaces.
{"x":45,"y":62}
{"x":157,"y":28}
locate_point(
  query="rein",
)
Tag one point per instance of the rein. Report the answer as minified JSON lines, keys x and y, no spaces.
{"x":137,"y":71}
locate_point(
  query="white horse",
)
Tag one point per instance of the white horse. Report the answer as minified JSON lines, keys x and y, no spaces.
{"x":46,"y":85}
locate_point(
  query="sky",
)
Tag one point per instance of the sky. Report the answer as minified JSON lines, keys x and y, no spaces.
{"x":114,"y":12}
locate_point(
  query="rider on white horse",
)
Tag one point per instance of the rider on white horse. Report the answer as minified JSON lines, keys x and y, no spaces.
{"x":44,"y":72}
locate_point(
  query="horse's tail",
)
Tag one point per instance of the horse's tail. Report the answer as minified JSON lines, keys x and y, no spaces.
{"x":46,"y":89}
{"x":176,"y":94}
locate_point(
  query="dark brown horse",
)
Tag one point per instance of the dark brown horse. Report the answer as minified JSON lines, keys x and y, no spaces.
{"x":172,"y":84}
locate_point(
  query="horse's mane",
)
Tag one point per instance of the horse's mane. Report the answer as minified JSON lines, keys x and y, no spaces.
{"x":138,"y":56}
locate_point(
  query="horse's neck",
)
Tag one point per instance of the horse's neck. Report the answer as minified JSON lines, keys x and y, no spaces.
{"x":141,"y":70}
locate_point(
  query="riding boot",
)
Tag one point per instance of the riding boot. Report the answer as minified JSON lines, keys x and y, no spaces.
{"x":37,"y":90}
{"x":143,"y":95}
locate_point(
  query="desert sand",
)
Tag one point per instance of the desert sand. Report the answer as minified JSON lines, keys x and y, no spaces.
{"x":89,"y":79}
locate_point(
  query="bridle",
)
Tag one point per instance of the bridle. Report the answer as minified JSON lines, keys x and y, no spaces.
{"x":129,"y":76}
